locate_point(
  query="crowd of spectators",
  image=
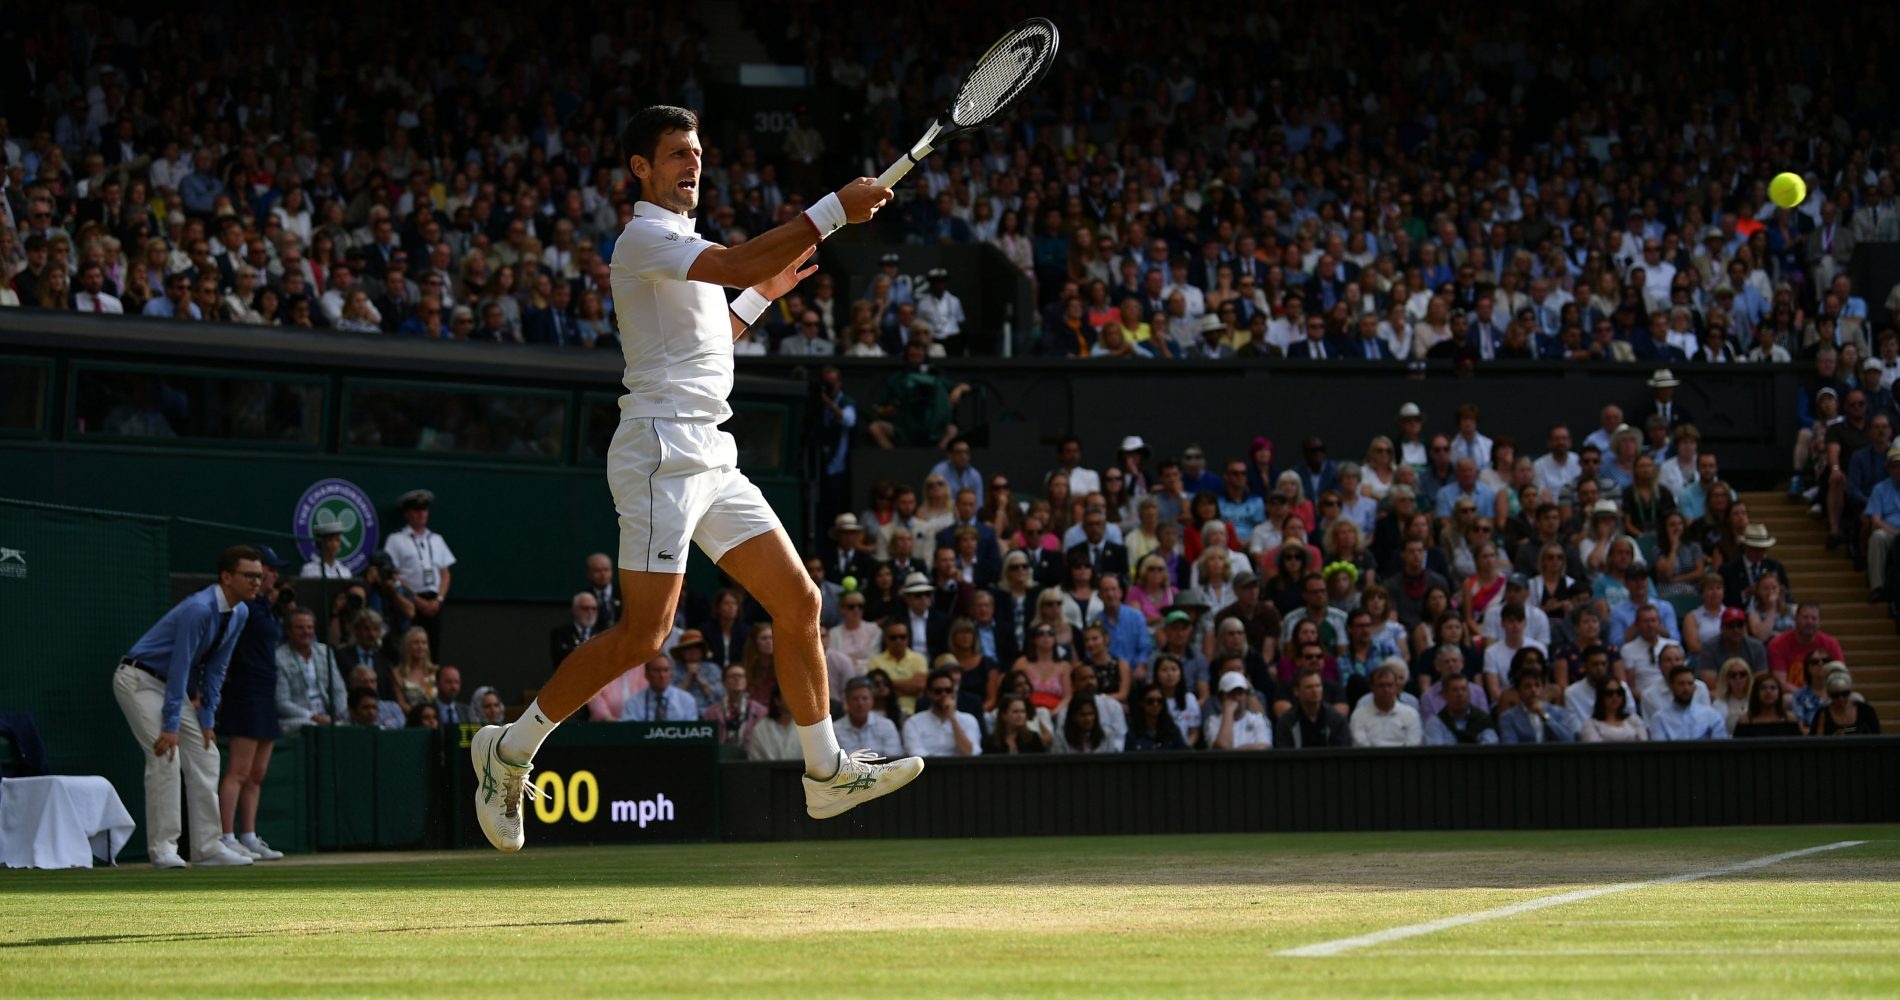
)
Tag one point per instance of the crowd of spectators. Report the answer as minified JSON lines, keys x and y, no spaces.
{"x":376,"y":660}
{"x":1447,"y":587}
{"x":1439,"y":585}
{"x":1468,"y":184}
{"x":1377,"y":184}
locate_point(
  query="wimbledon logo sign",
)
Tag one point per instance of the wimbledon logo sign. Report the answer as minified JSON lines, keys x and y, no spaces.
{"x":337,"y":501}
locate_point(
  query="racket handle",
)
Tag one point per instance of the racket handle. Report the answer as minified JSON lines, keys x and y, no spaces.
{"x":896,"y":171}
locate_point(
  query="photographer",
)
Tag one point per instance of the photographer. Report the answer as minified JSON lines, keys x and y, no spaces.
{"x":385,"y":593}
{"x":837,"y":418}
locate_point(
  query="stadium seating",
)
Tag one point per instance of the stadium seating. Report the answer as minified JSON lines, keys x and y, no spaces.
{"x":1192,"y":188}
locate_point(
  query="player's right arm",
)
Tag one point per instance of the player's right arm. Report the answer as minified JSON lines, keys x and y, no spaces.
{"x":765,"y":256}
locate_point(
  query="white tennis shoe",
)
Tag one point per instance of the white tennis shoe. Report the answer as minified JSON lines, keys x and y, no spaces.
{"x":499,"y":787}
{"x":223,"y":857}
{"x":255,"y":846}
{"x":859,"y":780}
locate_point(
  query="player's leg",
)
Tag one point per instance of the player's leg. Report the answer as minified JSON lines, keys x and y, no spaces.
{"x":648,"y":600}
{"x":768,"y":568}
{"x":661,"y":486}
{"x":504,"y":755}
{"x":742,"y":534}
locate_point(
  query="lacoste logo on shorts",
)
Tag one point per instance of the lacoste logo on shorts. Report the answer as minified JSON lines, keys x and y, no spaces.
{"x":666,"y":556}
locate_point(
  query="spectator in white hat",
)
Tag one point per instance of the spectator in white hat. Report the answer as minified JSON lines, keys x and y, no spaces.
{"x":329,"y":537}
{"x":1239,"y":724}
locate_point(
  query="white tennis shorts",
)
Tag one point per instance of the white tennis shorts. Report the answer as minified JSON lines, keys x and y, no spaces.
{"x":677,"y":482}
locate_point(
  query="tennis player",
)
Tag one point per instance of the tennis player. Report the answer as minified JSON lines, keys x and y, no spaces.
{"x":673,"y":475}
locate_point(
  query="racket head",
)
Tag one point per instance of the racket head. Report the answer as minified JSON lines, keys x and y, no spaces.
{"x":1020,"y":58}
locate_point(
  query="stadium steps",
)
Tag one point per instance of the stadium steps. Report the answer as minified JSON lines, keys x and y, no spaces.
{"x":1865,"y":632}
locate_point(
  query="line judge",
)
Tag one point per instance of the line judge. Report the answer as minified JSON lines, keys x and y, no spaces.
{"x":178,"y":662}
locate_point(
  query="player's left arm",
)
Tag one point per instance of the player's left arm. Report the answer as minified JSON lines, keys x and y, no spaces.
{"x":771,"y":289}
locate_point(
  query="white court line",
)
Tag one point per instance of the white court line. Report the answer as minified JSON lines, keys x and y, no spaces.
{"x":1326,"y":948}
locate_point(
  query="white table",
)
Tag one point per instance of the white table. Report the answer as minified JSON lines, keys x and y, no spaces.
{"x":61,"y":821}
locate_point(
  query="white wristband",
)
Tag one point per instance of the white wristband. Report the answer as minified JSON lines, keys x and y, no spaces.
{"x":827,"y":215}
{"x":749,"y":306}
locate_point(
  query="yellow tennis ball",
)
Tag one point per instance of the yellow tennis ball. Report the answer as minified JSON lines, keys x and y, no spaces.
{"x":1788,"y":190}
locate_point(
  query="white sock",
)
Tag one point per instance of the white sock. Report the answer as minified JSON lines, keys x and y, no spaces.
{"x":229,"y":838}
{"x":248,"y":838}
{"x":821,"y":748}
{"x":524,"y":737}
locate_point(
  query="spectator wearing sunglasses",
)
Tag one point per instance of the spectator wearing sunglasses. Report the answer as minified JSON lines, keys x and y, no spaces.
{"x":939,"y":730}
{"x":1151,"y":725}
{"x":807,"y":340}
{"x":177,"y":302}
{"x":1610,"y":718}
{"x":904,"y":666}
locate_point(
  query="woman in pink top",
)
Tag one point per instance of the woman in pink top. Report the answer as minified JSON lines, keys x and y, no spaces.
{"x":1153,"y":590}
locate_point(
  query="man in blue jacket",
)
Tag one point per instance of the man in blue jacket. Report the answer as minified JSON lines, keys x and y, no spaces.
{"x":1533,"y":720}
{"x":179,"y":664}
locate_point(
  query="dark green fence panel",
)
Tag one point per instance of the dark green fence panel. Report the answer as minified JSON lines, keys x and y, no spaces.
{"x":1566,"y":787}
{"x":77,"y":589}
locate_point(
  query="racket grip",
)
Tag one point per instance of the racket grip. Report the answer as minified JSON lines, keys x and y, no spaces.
{"x":896,"y":171}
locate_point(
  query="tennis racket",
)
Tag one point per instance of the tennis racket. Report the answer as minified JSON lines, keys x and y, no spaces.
{"x":1015,"y":62}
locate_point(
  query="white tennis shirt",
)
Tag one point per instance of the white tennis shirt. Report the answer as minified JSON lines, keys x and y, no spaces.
{"x":675,"y":334}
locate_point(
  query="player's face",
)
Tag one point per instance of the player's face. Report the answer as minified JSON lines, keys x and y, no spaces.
{"x":671,"y":178}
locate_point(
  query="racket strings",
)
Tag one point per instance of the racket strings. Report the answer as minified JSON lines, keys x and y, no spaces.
{"x":1013,"y":64}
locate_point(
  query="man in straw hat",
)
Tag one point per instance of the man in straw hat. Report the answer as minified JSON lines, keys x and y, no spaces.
{"x":1739,"y":575}
{"x":929,"y":628}
{"x":1662,"y":388}
{"x":1215,"y":343}
{"x":843,"y":556}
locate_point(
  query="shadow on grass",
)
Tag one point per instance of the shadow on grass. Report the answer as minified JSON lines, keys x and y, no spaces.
{"x":168,"y":937}
{"x":1272,"y":863}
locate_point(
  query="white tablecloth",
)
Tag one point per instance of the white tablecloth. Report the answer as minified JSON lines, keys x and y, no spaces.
{"x":61,"y":821}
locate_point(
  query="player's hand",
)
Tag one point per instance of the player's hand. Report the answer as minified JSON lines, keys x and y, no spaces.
{"x":784,"y":281}
{"x":211,"y":738}
{"x":862,"y":198}
{"x":165,"y":745}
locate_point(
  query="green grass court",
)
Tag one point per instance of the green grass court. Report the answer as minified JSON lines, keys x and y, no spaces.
{"x":1149,"y":916}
